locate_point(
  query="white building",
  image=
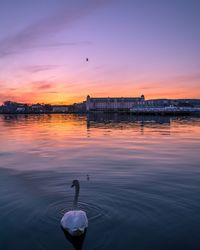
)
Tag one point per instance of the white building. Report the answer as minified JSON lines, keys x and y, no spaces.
{"x":112,"y":104}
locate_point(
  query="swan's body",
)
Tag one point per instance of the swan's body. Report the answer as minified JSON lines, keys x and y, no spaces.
{"x":75,"y":222}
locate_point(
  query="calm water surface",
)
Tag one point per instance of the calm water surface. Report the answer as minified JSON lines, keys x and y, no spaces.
{"x":143,"y":190}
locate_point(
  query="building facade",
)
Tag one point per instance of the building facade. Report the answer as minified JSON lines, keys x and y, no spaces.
{"x":169,"y":102}
{"x":112,"y":104}
{"x":60,"y":108}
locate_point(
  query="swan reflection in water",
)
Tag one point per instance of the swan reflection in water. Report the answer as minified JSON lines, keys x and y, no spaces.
{"x":76,"y":241}
{"x":74,"y":223}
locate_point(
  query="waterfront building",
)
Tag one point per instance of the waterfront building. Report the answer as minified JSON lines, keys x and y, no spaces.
{"x":169,"y":103}
{"x":37,"y":108}
{"x":60,"y":108}
{"x":156,"y":103}
{"x":112,"y":104}
{"x":78,"y":107}
{"x":40,"y":108}
{"x":188,"y":102}
{"x":14,"y":107}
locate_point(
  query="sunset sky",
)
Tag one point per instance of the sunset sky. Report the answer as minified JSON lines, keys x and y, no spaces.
{"x":134,"y":47}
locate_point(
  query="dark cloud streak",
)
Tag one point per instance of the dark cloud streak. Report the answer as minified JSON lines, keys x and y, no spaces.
{"x":39,"y":68}
{"x":42,"y":85}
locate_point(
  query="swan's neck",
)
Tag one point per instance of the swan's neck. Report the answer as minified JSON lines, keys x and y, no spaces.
{"x":75,"y":203}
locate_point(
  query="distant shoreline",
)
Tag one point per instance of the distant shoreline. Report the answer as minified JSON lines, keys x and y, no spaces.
{"x":131,"y":113}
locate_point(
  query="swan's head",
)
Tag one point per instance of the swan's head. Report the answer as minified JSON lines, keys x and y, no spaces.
{"x":75,"y":183}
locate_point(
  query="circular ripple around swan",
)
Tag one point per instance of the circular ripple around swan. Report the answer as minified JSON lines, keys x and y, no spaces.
{"x":93,"y":211}
{"x":55,"y":210}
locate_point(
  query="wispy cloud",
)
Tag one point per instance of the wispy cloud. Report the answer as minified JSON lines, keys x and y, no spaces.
{"x":188,"y":78}
{"x":60,"y":44}
{"x":39,"y":68}
{"x":174,"y":81}
{"x":32,"y":36}
{"x":42,"y":85}
{"x":5,"y":96}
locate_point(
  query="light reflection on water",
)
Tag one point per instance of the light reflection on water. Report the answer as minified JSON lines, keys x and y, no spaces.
{"x":143,"y":190}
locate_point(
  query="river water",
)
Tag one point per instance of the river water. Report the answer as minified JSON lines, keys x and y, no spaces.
{"x":139,"y":178}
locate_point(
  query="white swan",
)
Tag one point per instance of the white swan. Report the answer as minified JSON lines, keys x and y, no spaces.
{"x":75,"y":222}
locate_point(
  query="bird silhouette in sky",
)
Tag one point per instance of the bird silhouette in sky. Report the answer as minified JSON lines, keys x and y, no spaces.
{"x":87,"y":60}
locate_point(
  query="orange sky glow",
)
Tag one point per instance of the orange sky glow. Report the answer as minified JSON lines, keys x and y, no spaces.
{"x":133,"y":48}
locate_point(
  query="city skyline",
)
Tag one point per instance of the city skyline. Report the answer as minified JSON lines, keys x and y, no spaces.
{"x":58,"y":52}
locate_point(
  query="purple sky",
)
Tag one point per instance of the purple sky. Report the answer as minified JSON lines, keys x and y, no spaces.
{"x":135,"y":47}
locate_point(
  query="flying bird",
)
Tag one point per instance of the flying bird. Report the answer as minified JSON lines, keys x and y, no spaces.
{"x":87,"y":60}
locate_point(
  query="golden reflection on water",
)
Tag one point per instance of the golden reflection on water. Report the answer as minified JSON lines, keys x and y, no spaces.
{"x":66,"y":124}
{"x":61,"y":139}
{"x":37,"y":128}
